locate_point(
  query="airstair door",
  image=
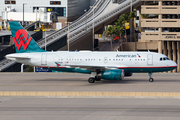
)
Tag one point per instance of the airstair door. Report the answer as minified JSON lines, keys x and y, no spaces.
{"x":43,"y":59}
{"x":150,"y":59}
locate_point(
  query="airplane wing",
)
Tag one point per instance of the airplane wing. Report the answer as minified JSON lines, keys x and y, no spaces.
{"x":95,"y":68}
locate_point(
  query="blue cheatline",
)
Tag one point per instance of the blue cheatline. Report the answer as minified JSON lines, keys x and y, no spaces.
{"x":23,"y":42}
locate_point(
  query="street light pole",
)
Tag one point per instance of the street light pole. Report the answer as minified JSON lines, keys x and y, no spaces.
{"x":131,"y":5}
{"x":68,"y":33}
{"x":93,"y":26}
{"x":23,"y":13}
{"x":45,"y":39}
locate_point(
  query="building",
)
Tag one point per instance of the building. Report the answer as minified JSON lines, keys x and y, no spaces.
{"x":160,"y":22}
{"x":66,"y":10}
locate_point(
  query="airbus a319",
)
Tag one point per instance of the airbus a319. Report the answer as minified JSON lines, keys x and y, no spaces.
{"x":100,"y":65}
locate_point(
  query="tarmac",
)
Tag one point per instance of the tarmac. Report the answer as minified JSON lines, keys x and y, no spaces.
{"x":60,"y":96}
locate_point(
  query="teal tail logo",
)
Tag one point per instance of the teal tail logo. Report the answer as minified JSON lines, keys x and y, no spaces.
{"x":22,"y":40}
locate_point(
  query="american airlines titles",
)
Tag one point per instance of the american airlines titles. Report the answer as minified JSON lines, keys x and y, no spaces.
{"x":130,"y":56}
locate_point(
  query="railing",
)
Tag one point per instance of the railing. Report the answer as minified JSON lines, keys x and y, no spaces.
{"x":155,"y":9}
{"x":160,"y":36}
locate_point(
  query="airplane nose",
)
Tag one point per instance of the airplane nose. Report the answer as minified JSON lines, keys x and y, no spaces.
{"x":174,"y":64}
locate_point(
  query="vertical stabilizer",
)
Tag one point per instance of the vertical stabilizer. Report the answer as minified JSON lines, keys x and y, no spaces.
{"x":23,"y":42}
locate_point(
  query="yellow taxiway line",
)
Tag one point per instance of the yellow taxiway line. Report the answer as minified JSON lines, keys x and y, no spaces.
{"x":91,"y":94}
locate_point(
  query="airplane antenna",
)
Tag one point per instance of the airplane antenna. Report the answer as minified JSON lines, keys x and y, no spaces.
{"x":148,"y":51}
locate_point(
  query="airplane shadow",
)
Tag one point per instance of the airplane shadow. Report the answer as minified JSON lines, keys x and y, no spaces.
{"x":125,"y":81}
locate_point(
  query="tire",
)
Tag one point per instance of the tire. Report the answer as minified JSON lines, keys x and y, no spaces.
{"x":91,"y":80}
{"x":151,"y":80}
{"x":97,"y":78}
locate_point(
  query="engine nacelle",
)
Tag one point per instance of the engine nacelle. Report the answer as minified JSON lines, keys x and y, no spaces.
{"x":113,"y":74}
{"x":128,"y":74}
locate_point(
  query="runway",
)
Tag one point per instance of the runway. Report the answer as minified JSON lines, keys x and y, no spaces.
{"x":88,"y":109}
{"x":45,"y":96}
{"x":78,"y":83}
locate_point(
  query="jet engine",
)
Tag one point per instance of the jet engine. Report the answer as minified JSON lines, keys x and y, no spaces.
{"x":113,"y":74}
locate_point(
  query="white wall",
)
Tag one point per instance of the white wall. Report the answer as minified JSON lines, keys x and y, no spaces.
{"x":18,"y":16}
{"x":30,"y":4}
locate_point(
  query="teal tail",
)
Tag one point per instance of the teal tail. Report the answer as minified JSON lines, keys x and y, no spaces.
{"x":23,"y":42}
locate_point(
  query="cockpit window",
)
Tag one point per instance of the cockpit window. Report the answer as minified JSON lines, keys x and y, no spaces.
{"x":164,"y":58}
{"x":167,"y":58}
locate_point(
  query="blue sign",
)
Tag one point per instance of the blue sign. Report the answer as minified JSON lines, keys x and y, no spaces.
{"x":38,"y":69}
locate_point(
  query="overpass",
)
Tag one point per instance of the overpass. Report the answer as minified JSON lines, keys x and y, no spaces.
{"x":80,"y":31}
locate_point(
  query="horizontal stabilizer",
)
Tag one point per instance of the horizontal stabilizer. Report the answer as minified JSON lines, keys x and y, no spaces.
{"x":17,"y":56}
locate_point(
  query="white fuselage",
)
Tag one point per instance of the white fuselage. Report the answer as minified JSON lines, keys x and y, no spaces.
{"x":87,"y":59}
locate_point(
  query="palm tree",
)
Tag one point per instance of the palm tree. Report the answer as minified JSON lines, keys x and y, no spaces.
{"x":119,"y":30}
{"x":124,"y":19}
{"x":110,"y":32}
{"x":132,"y":15}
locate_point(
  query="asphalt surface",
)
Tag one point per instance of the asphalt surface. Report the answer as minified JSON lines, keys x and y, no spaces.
{"x":88,"y":108}
{"x":164,"y":82}
{"x":29,"y":108}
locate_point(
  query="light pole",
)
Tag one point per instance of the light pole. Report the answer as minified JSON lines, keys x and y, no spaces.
{"x":93,"y":25}
{"x":131,"y":24}
{"x":23,"y":13}
{"x":45,"y":38}
{"x":86,"y":19}
{"x":68,"y":33}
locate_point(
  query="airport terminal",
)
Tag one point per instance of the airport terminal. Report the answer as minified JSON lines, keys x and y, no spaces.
{"x":84,"y":28}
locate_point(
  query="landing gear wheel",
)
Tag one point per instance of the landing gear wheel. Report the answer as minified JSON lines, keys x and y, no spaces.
{"x":151,"y":79}
{"x":97,"y":79}
{"x":91,"y":80}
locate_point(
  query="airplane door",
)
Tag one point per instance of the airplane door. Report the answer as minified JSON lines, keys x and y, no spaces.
{"x":43,"y":59}
{"x":150,"y":59}
{"x":105,"y":60}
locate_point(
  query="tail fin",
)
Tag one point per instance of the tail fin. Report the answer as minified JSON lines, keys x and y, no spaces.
{"x":23,"y":42}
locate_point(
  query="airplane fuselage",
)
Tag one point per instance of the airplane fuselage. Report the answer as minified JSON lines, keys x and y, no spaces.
{"x":85,"y":60}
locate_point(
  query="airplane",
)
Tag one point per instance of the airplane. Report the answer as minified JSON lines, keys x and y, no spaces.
{"x":100,"y":65}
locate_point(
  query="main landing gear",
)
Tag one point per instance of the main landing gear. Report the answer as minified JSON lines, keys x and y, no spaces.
{"x":93,"y":77}
{"x":150,"y":78}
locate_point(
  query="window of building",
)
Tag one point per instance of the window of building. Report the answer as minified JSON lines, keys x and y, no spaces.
{"x":55,"y":2}
{"x":10,"y":2}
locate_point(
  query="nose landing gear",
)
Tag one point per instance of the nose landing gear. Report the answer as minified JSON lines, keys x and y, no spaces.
{"x":150,"y":78}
